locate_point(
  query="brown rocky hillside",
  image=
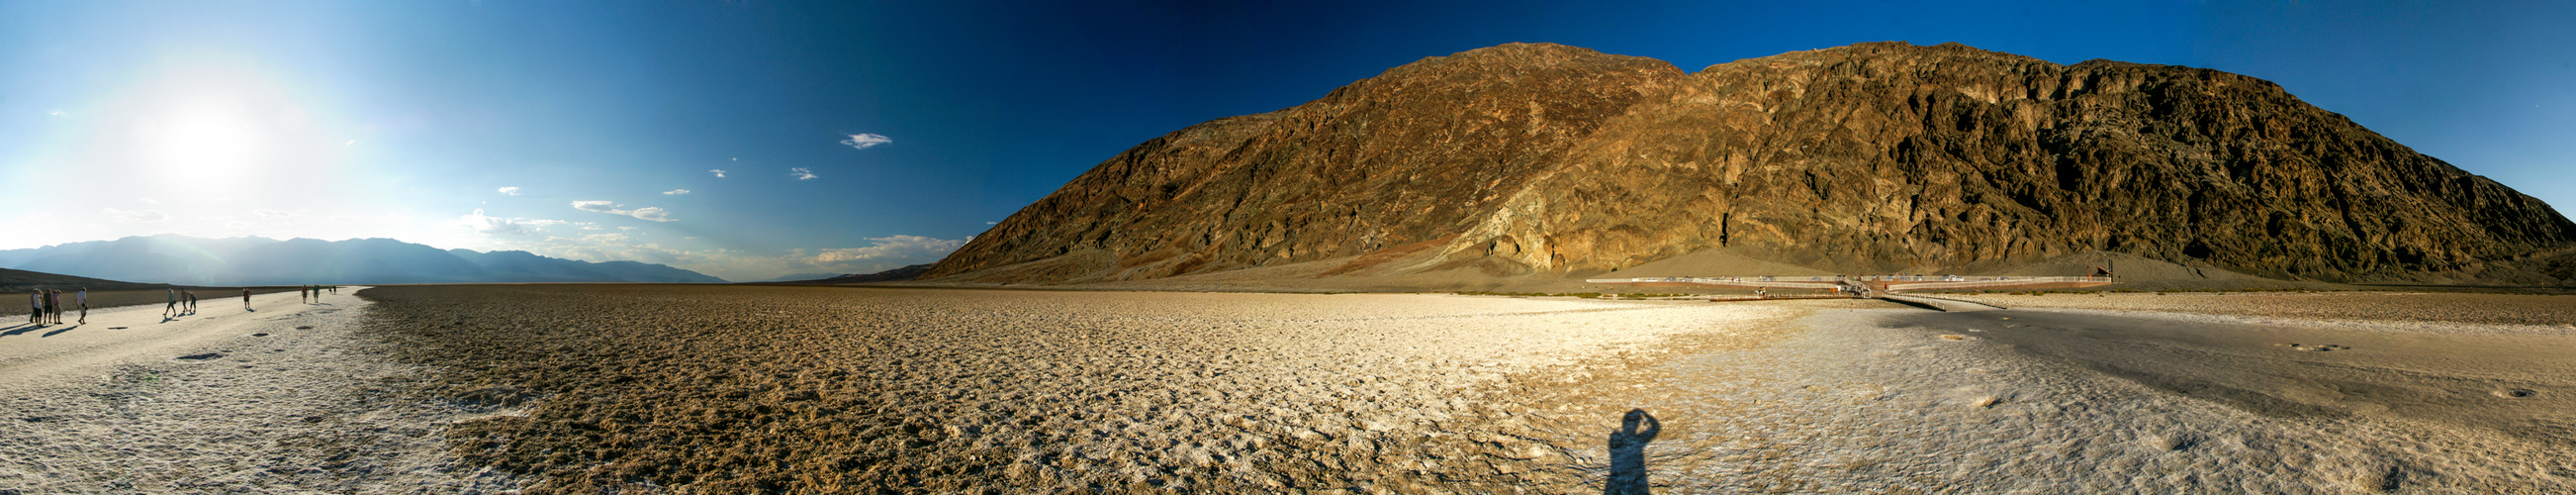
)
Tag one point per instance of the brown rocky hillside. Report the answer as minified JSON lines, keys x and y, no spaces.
{"x":1545,"y":160}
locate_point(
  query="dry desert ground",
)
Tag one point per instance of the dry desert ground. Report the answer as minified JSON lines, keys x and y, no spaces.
{"x":756,"y":389}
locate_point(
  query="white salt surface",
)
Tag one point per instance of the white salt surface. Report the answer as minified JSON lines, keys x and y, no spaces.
{"x":1833,"y":403}
{"x":296,"y":410}
{"x":1849,"y":407}
{"x":2387,"y":326}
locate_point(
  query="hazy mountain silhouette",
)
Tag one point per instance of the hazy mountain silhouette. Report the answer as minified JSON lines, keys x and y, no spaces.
{"x":18,"y":281}
{"x":895,"y":275}
{"x":801,"y":277}
{"x":263,"y":261}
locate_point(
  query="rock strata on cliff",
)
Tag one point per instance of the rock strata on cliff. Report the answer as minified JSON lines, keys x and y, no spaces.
{"x":1545,"y":160}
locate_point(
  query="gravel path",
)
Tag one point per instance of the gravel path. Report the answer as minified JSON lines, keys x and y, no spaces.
{"x":278,"y":400}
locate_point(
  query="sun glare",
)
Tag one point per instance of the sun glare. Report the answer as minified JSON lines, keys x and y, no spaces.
{"x":208,"y":141}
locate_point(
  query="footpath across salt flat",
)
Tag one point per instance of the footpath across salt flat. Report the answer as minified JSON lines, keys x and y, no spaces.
{"x":274,"y":398}
{"x":1880,"y":400}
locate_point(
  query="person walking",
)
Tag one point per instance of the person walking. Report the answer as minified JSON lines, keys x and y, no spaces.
{"x":36,"y":307}
{"x":54,"y":306}
{"x":245,"y":298}
{"x":188,"y":301}
{"x":170,"y":308}
{"x":83,"y":300}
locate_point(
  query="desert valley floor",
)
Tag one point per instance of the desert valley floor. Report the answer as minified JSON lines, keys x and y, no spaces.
{"x":725,"y":389}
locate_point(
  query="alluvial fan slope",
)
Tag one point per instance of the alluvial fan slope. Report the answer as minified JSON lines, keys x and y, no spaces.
{"x":823,"y":390}
{"x":1539,"y":159}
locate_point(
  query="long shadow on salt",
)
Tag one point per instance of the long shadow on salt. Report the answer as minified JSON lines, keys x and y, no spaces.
{"x":1628,"y":453}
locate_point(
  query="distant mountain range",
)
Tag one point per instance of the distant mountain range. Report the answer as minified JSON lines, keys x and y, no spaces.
{"x":904,"y":274}
{"x":896,"y":275}
{"x":263,"y":261}
{"x":803,"y":277}
{"x":16,"y":281}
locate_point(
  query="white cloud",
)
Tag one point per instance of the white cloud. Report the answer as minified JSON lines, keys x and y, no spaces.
{"x":513,"y":190}
{"x":901,"y":247}
{"x":863,"y":141}
{"x":487,"y":225}
{"x":884,"y":253}
{"x":676,"y":192}
{"x":719,"y":172}
{"x":656,"y":214}
{"x":801,"y":173}
{"x":268,"y":213}
{"x":651,"y":213}
{"x":59,"y":113}
{"x":144,"y":216}
{"x":490,"y":225}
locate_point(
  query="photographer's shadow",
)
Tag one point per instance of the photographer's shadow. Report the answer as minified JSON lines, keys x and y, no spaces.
{"x":1628,"y":453}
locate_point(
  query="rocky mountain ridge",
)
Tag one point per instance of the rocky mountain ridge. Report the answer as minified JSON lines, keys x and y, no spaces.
{"x":1547,"y":160}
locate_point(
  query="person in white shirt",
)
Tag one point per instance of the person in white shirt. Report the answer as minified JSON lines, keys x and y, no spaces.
{"x":83,"y":300}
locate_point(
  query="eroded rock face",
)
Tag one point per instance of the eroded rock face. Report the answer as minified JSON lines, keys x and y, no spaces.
{"x":1544,"y":159}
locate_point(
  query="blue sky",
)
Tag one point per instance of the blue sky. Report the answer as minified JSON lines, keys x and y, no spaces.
{"x":410,"y":119}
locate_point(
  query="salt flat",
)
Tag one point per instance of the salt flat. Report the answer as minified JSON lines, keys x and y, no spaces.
{"x":835,"y":389}
{"x":577,"y":388}
{"x":279,"y":398}
{"x":1877,"y":400}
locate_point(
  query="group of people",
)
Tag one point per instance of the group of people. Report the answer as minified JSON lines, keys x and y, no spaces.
{"x":182,"y":303}
{"x":45,"y":307}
